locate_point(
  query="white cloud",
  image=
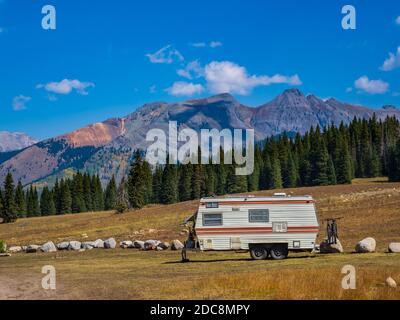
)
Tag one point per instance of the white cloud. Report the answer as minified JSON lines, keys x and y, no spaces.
{"x":226,"y":76}
{"x":192,"y":70}
{"x":167,"y":54}
{"x":199,"y":44}
{"x":2,"y":30}
{"x":19,"y":102}
{"x":215,"y":44}
{"x":392,"y":62}
{"x":398,"y":20}
{"x":67,"y":86}
{"x":181,"y":88}
{"x":371,"y":86}
{"x":153,"y":89}
{"x":349,"y":89}
{"x":212,"y":44}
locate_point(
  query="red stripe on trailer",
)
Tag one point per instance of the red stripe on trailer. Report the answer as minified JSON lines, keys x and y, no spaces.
{"x":311,"y":229}
{"x":253,"y":228}
{"x":222,"y":203}
{"x":255,"y":232}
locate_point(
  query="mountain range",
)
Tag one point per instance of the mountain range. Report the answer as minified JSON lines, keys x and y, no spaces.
{"x":106,"y":147}
{"x":11,"y":141}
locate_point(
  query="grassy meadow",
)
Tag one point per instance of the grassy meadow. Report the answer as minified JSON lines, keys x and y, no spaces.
{"x":367,"y":208}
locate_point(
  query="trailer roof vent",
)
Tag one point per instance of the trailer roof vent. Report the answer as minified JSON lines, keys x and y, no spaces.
{"x":281,"y":195}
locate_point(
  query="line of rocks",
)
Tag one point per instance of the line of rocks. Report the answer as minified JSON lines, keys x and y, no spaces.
{"x":367,"y":245}
{"x":99,"y":243}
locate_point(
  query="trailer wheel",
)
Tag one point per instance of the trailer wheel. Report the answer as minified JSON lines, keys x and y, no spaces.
{"x":259,"y":253}
{"x":279,"y":252}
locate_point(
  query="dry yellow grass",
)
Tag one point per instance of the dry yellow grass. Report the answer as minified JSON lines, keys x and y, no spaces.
{"x":368,"y":208}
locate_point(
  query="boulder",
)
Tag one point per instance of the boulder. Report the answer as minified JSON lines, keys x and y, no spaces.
{"x":48,"y":247}
{"x":366,"y":245}
{"x":4,"y":255}
{"x":176,"y":245}
{"x":74,"y":245}
{"x":151,"y":244}
{"x":88,"y":245}
{"x":126,"y":244}
{"x":325,"y":247}
{"x":98,"y":243}
{"x":138,"y":244}
{"x":394,"y":247}
{"x":163,"y":245}
{"x":15,"y":249}
{"x":63,"y":245}
{"x":391,"y":283}
{"x":110,"y":243}
{"x":32,"y":248}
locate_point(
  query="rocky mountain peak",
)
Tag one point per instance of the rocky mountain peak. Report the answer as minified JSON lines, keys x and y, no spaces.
{"x":389,"y":108}
{"x":11,"y":141}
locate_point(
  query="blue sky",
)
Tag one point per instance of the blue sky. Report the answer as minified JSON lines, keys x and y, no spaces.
{"x":116,"y":55}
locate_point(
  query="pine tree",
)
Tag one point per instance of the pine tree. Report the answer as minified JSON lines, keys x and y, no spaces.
{"x":196,"y":181}
{"x":97,"y":194}
{"x":78,"y":201}
{"x":65,"y":198}
{"x":169,"y":193}
{"x":110,"y":201}
{"x":47,"y":206}
{"x":57,"y":196}
{"x":276,"y":174}
{"x":87,"y":192}
{"x":122,"y":204}
{"x":185,"y":182}
{"x":137,"y":184}
{"x":343,"y":163}
{"x":20,"y":200}
{"x":319,"y":160}
{"x":331,"y":172}
{"x":394,"y":163}
{"x":157,"y":184}
{"x":9,"y":210}
{"x":290,"y":175}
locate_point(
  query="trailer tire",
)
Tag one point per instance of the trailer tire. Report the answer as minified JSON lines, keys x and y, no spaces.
{"x":279,"y":252}
{"x":259,"y":253}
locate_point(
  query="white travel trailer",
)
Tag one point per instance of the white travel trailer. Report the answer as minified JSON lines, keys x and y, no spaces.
{"x":266,"y":226}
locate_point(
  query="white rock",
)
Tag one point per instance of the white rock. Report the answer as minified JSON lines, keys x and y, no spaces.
{"x":74,"y":245}
{"x":15,"y":249}
{"x":138,"y":244}
{"x":163,"y":245}
{"x":88,"y":245}
{"x":32,"y":248}
{"x":391,"y":283}
{"x":98,"y":243}
{"x":176,"y":245}
{"x":63,"y":245}
{"x":394,"y":247}
{"x":126,"y":244}
{"x":151,"y":244}
{"x":366,"y":245}
{"x":325,"y":247}
{"x":110,"y":243}
{"x":48,"y":247}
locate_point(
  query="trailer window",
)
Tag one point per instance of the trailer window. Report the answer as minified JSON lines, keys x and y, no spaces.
{"x":212,"y":219}
{"x":212,"y":205}
{"x":258,"y":215}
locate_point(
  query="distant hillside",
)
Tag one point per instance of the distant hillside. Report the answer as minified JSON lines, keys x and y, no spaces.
{"x":105,"y":148}
{"x":11,"y":141}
